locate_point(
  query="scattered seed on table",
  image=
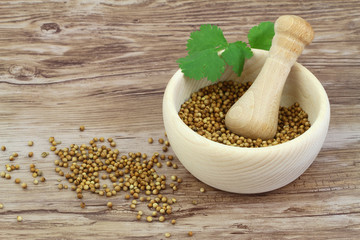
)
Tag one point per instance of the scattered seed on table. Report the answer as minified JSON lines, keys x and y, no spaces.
{"x":167,"y":235}
{"x":7,"y":176}
{"x":17,"y":180}
{"x":36,"y":182}
{"x":202,"y":190}
{"x":149,"y":218}
{"x":30,"y":143}
{"x":15,"y":154}
{"x":1,"y":206}
{"x":31,"y":154}
{"x":190,"y":233}
{"x":24,"y":185}
{"x":109,"y":205}
{"x":44,"y":154}
{"x":161,"y":141}
{"x":42,"y":179}
{"x":138,"y":217}
{"x":19,"y":218}
{"x":82,"y":205}
{"x":3,"y":148}
{"x":82,"y":128}
{"x":165,"y":148}
{"x":173,"y":221}
{"x":150,"y":140}
{"x":11,"y":158}
{"x":161,"y":218}
{"x":2,"y":174}
{"x":170,"y":157}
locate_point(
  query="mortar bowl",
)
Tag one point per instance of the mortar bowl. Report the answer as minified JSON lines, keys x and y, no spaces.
{"x":248,"y":170}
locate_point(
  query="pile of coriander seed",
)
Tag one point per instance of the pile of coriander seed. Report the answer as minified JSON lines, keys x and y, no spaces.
{"x":85,"y":166}
{"x":204,"y":112}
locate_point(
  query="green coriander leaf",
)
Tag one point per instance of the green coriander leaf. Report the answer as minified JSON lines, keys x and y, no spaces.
{"x":235,"y":54}
{"x":260,"y":36}
{"x":209,"y":36}
{"x":202,"y":64}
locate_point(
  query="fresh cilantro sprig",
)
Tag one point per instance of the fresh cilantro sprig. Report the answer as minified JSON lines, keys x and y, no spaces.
{"x":203,"y":59}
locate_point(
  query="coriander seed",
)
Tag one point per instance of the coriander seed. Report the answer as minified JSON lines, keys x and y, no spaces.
{"x":36,"y":182}
{"x":173,"y":221}
{"x":3,"y":148}
{"x":19,"y":218}
{"x":82,"y":128}
{"x":30,"y":143}
{"x":1,"y":206}
{"x":167,"y":235}
{"x":149,"y":218}
{"x":109,"y":205}
{"x":161,"y":141}
{"x":150,"y":140}
{"x":17,"y":180}
{"x":82,"y":205}
{"x":30,"y":154}
{"x":202,"y":190}
{"x":190,"y":233}
{"x":24,"y":185}
{"x":161,"y":218}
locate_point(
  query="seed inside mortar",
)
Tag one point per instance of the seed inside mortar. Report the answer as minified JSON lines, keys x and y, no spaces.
{"x":204,"y":112}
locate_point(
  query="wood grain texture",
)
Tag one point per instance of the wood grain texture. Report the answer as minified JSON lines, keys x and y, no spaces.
{"x":69,"y":63}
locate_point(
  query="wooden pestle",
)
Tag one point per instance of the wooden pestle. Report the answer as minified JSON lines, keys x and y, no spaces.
{"x":255,"y":114}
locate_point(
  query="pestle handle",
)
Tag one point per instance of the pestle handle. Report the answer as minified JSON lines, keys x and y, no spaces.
{"x":255,"y":114}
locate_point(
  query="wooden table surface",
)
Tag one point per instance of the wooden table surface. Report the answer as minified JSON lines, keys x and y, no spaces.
{"x":105,"y":64}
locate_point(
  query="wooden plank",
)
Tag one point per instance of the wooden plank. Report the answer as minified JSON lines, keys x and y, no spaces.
{"x":69,"y":63}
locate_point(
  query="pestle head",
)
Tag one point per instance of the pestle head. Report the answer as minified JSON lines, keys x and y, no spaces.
{"x":255,"y":114}
{"x":303,"y":30}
